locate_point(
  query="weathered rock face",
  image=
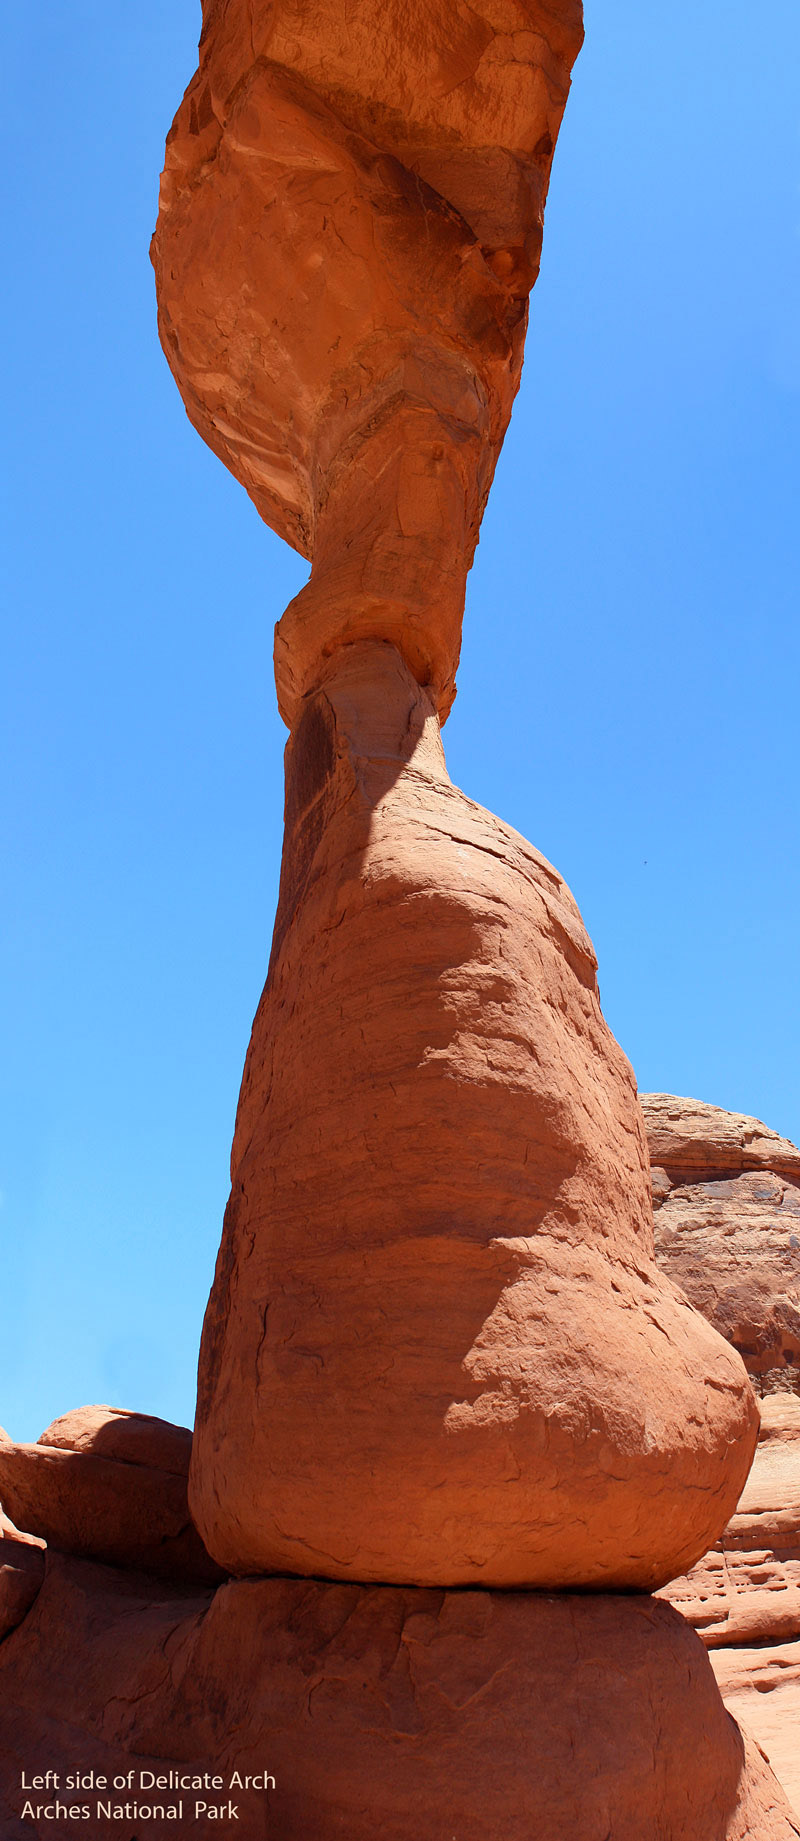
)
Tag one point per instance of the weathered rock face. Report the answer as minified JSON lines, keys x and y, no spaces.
{"x":727,"y":1196}
{"x":438,"y":1348}
{"x":21,"y":1573}
{"x":351,"y":216}
{"x":111,"y":1485}
{"x":747,"y":1590}
{"x":409,"y":1712}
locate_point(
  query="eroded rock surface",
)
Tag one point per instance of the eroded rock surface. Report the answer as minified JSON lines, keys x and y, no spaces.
{"x":98,"y":1491}
{"x":406,"y":1712}
{"x":727,"y":1228}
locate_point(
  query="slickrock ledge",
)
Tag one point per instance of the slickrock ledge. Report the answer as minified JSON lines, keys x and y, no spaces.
{"x":688,"y":1136}
{"x":761,"y":1688}
{"x":743,"y":1598}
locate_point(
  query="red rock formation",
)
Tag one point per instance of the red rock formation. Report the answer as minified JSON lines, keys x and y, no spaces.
{"x":111,"y":1486}
{"x":351,"y":217}
{"x":438,"y":1349}
{"x":415,"y":1713}
{"x":437,"y":1342}
{"x":727,"y":1197}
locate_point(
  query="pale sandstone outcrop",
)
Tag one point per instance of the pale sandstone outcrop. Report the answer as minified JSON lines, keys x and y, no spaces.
{"x":747,"y":1589}
{"x":395,"y":1711}
{"x":687,"y":1135}
{"x":727,"y":1194}
{"x":744,"y":1597}
{"x":727,"y":1228}
{"x":86,"y":1498}
{"x":761,"y":1687}
{"x":438,"y":1349}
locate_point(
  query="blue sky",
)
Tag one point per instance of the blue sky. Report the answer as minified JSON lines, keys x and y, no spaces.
{"x":628,"y":690}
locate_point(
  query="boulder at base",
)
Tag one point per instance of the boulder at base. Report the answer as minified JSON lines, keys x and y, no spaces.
{"x":112,"y":1486}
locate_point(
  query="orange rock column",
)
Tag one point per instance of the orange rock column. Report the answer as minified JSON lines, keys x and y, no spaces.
{"x":438,"y":1351}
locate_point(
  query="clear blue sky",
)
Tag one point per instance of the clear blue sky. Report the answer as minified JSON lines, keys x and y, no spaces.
{"x":629,"y":687}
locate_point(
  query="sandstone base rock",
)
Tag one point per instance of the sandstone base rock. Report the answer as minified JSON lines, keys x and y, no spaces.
{"x":394,"y":1712}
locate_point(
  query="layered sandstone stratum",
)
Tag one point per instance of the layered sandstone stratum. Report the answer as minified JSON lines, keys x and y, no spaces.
{"x":439,"y":1353}
{"x":727,"y":1193}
